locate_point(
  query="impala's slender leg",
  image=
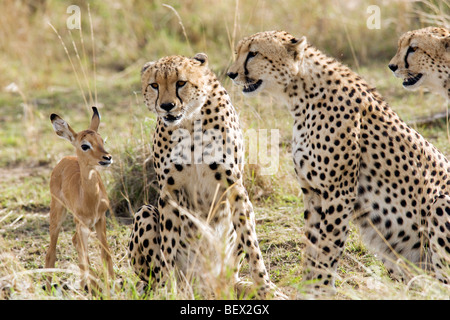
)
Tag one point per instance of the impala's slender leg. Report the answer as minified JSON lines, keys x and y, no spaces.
{"x":100,"y":228}
{"x":57,"y":216}
{"x":80,"y":241}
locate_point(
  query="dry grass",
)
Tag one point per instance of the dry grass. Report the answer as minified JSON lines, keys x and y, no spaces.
{"x":39,"y":78}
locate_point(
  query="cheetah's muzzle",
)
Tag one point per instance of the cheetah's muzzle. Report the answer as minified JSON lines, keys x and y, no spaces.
{"x":252,"y":87}
{"x":412,"y":80}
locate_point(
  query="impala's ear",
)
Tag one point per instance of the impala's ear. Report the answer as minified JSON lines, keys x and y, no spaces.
{"x":296,"y":46}
{"x":95,"y":121}
{"x":202,"y":58}
{"x":62,"y":128}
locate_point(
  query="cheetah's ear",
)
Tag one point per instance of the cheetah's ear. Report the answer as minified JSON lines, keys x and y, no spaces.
{"x":296,"y":46}
{"x":146,"y":66}
{"x":203,"y":58}
{"x":446,"y":42}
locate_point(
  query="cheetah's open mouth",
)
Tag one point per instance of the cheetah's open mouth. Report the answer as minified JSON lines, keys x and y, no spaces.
{"x":252,"y":86}
{"x":170,"y":118}
{"x":407,"y":82}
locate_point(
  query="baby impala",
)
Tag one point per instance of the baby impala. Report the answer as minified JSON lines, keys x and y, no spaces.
{"x":76,"y":186}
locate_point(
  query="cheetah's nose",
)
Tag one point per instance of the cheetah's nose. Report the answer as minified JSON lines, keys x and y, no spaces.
{"x":167,"y":106}
{"x":232,"y":75}
{"x":393,"y":67}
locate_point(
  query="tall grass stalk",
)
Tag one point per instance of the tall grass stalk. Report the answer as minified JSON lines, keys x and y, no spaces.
{"x":80,"y":87}
{"x":180,"y":22}
{"x":94,"y":59}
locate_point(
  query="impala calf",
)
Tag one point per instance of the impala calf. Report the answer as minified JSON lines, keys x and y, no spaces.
{"x":76,"y":186}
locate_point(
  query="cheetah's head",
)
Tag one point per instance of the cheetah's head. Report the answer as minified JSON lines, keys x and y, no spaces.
{"x":175,"y":87}
{"x":420,"y":55}
{"x":267,"y":61}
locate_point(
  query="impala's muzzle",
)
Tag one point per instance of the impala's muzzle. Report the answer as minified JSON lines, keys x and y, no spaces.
{"x":107,"y":161}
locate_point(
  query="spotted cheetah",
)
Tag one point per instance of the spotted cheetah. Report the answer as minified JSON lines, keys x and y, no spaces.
{"x":354,"y":158}
{"x":198,"y":155}
{"x":423,"y":59}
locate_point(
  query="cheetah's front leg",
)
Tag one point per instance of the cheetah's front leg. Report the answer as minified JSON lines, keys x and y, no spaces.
{"x":170,"y":229}
{"x":144,"y":246}
{"x":439,"y":237}
{"x":244,"y":223}
{"x":326,"y":229}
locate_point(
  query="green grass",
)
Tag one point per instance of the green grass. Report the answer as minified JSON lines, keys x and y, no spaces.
{"x":126,"y":36}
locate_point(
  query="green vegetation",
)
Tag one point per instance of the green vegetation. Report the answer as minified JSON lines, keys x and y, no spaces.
{"x":39,"y":78}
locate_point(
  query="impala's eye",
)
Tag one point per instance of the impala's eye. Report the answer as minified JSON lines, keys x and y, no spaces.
{"x":154,"y":85}
{"x":180,"y":83}
{"x":85,"y":147}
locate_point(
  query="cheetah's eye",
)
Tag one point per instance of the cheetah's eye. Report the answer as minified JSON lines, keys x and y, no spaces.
{"x":412,"y":49}
{"x":180,"y":83}
{"x":154,"y":85}
{"x":252,"y":54}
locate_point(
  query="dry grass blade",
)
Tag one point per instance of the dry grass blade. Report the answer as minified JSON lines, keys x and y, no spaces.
{"x":94,"y":59}
{"x":207,"y":268}
{"x":180,"y":21}
{"x":73,"y":66}
{"x":81,"y":66}
{"x":439,"y":13}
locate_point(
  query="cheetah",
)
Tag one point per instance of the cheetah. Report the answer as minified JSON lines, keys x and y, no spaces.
{"x":355,"y":159}
{"x":423,"y":59}
{"x":198,"y":155}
